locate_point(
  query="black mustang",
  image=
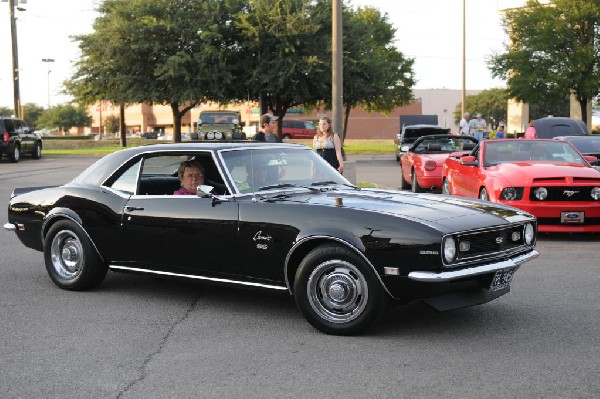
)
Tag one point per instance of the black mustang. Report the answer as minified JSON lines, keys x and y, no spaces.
{"x":273,"y":216}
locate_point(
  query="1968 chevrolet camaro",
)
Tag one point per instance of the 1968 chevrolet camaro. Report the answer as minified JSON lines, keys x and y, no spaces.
{"x":277,"y":217}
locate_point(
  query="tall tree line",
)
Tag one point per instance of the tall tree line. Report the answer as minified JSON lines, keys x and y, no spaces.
{"x":186,"y":52}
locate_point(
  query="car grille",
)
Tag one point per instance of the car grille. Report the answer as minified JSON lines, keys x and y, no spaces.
{"x":566,"y":193}
{"x":491,"y":243}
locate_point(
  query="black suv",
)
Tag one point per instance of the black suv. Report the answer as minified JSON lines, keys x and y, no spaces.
{"x":17,"y":138}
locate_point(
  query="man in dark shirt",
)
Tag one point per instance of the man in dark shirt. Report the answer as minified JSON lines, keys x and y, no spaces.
{"x":268,"y":124}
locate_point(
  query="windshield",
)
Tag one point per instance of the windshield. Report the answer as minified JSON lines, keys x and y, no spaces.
{"x":218,"y":117}
{"x":496,"y":152}
{"x":279,"y":168}
{"x":413,"y":133}
{"x":436,"y":144}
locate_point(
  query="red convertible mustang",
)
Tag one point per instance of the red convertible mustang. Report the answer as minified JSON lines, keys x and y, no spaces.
{"x":423,"y":161}
{"x":274,"y":217}
{"x":547,"y":178}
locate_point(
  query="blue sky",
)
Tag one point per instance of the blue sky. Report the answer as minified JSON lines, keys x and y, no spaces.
{"x":428,"y":30}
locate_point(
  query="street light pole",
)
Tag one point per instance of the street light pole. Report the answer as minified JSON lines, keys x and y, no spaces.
{"x":48,"y":61}
{"x":464,"y":60}
{"x":337,"y":82}
{"x":15,"y":57}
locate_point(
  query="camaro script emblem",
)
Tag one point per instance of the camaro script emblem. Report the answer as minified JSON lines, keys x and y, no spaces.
{"x":570,"y":193}
{"x":262,"y":240}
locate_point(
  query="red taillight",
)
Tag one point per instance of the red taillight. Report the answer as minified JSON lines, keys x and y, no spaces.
{"x":430,"y":165}
{"x":5,"y":136}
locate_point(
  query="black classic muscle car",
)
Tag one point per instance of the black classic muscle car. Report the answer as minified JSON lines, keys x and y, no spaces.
{"x":276,"y":217}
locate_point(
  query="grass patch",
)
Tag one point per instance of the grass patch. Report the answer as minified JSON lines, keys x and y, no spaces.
{"x":89,"y":147}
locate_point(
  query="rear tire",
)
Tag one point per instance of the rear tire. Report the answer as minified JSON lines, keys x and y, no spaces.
{"x":71,"y":260}
{"x":415,"y":184}
{"x":14,"y":153}
{"x":403,"y":183}
{"x":337,"y":291}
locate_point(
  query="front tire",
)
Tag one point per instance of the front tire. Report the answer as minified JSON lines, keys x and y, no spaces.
{"x":337,"y":292}
{"x":71,"y":260}
{"x":446,"y":187}
{"x":483,"y":194}
{"x":37,"y":151}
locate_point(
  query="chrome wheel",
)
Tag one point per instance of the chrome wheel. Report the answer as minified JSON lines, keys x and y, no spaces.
{"x":483,"y":195}
{"x":67,"y":255}
{"x":337,"y":291}
{"x":445,"y":187}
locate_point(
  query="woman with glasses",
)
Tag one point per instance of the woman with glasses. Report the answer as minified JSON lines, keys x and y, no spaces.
{"x":191,"y":175}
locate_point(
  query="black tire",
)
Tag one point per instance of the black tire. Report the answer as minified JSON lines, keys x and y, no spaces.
{"x":37,"y":151}
{"x":414,"y":184}
{"x":337,"y":292}
{"x":403,"y":183}
{"x":446,"y":187}
{"x":14,"y":153}
{"x":71,"y":260}
{"x":483,"y":194}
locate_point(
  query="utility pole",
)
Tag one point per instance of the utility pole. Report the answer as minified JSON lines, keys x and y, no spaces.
{"x":15,"y":58}
{"x":337,"y":81}
{"x":464,"y":60}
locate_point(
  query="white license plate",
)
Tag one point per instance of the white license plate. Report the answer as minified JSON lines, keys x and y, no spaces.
{"x":501,"y":280}
{"x":572,"y":217}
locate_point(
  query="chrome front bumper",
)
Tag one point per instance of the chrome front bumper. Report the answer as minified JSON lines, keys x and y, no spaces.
{"x":432,"y":277}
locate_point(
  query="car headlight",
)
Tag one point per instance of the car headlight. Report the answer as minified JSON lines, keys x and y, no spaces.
{"x":540,"y":193}
{"x":529,"y":234}
{"x":511,"y":193}
{"x":210,"y":135}
{"x":596,"y":193}
{"x":449,"y":249}
{"x":218,"y":136}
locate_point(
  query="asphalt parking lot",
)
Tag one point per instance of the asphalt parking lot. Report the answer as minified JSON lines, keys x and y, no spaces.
{"x":142,"y":337}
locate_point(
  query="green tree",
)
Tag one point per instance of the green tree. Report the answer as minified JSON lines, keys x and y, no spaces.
{"x":554,"y":50}
{"x":491,"y":103}
{"x":111,"y":124}
{"x":287,"y":48}
{"x":64,"y":117}
{"x":5,"y":111}
{"x":172,"y":52}
{"x":31,"y":113}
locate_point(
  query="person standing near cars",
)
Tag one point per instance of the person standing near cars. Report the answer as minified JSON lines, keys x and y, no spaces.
{"x":328,"y":144}
{"x":268,"y":129}
{"x":464,"y":124}
{"x":478,"y":127}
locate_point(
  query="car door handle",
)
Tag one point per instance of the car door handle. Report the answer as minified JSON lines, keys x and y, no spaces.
{"x":133,"y":208}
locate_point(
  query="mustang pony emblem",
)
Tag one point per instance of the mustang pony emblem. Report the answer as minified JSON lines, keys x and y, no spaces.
{"x":570,"y":193}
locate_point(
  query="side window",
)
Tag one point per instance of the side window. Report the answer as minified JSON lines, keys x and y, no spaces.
{"x":10,"y":125}
{"x":286,"y":123}
{"x":18,"y":127}
{"x":127,"y":182}
{"x":309,"y":126}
